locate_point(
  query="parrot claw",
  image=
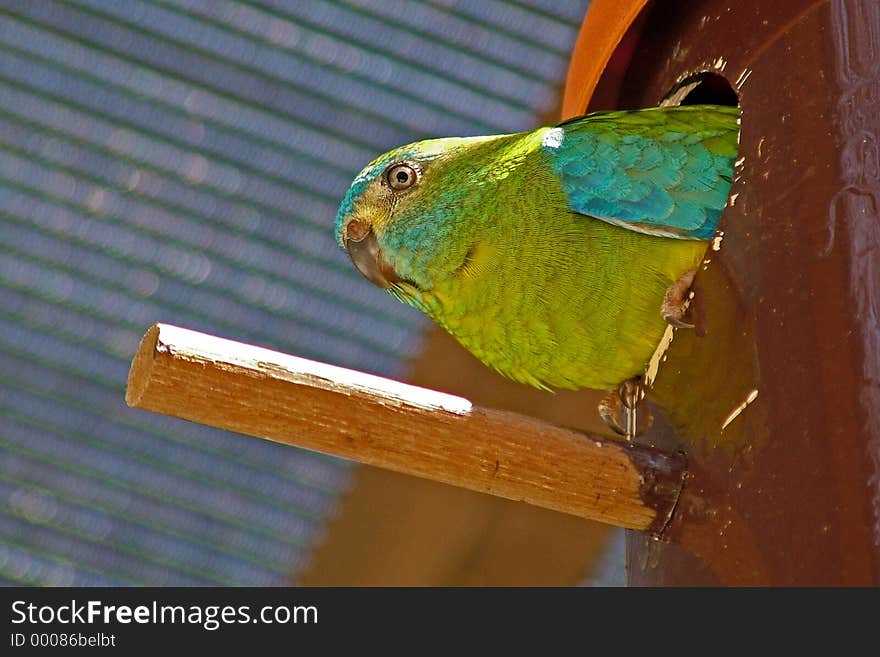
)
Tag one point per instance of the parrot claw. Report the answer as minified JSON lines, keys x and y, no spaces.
{"x":677,"y":299}
{"x":610,"y":409}
{"x":619,"y":409}
{"x":677,"y":323}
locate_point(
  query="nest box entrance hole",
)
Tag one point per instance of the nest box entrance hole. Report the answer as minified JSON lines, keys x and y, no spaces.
{"x":705,"y":88}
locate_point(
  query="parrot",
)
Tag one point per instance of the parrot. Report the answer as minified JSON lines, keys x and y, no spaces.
{"x":555,"y":256}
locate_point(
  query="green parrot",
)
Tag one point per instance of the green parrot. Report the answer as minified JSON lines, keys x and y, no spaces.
{"x":555,"y":256}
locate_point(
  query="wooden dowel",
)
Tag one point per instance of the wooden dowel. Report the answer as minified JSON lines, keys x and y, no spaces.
{"x":414,"y":430}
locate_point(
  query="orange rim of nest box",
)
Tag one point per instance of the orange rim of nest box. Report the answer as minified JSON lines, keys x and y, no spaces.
{"x":604,"y":26}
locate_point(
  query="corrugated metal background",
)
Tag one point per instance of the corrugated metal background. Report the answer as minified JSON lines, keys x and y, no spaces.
{"x":181,"y":161}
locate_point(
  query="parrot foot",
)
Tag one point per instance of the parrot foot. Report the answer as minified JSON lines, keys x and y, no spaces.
{"x":677,"y":299}
{"x":619,"y":409}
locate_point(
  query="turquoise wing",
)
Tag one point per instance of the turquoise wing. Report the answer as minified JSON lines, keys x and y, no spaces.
{"x":661,"y":171}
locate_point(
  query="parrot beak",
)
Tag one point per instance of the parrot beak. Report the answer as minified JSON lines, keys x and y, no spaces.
{"x":363,"y":249}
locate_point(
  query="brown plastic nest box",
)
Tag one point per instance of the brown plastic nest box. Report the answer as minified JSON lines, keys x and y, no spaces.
{"x":776,"y":397}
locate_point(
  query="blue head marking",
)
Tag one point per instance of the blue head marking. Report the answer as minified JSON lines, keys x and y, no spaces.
{"x":347,"y":206}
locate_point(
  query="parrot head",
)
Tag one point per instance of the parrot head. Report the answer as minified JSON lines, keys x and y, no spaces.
{"x":401,"y":221}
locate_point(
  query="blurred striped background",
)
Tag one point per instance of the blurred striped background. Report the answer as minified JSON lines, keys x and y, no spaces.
{"x":181,"y":161}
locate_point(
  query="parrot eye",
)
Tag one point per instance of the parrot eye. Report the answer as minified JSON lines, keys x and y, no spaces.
{"x":401,"y":176}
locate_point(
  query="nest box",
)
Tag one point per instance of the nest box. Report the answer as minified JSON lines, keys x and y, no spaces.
{"x":776,"y":398}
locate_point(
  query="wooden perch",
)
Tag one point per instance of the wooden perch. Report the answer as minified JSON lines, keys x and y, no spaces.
{"x":414,"y":430}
